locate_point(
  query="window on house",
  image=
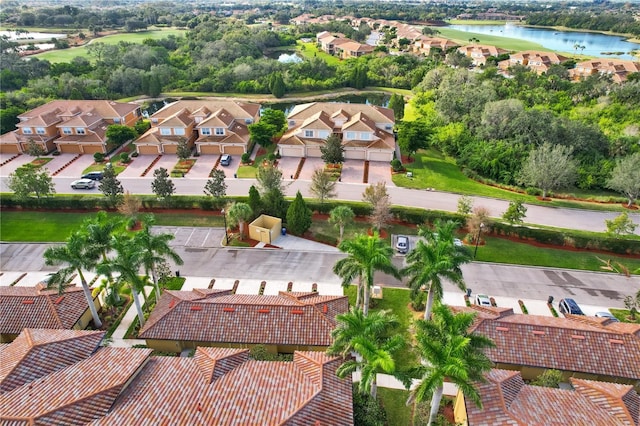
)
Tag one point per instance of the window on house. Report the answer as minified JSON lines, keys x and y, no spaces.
{"x":365,"y":136}
{"x":388,"y":127}
{"x":292,"y":123}
{"x":248,"y":121}
{"x":219,"y":131}
{"x":80,"y":131}
{"x":27,"y":130}
{"x":205,"y":131}
{"x":350,"y":135}
{"x":154,"y":120}
{"x":308,"y":133}
{"x":40,"y":130}
{"x":198,"y":119}
{"x":165,"y":131}
{"x":66,"y":130}
{"x":323,"y":134}
{"x":116,"y":120}
{"x":178,"y":131}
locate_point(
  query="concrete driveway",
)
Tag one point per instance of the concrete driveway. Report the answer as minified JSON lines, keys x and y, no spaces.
{"x":380,"y":171}
{"x":288,"y":166}
{"x":75,"y":169}
{"x":137,"y":166}
{"x":310,"y":165}
{"x":352,"y":171}
{"x":203,"y":166}
{"x":12,"y":165}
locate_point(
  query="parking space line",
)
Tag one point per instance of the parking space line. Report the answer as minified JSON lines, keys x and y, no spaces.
{"x":206,"y":238}
{"x":186,"y":243}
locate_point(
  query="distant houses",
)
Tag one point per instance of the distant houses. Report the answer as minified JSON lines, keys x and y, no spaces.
{"x":479,"y":53}
{"x":616,"y":69}
{"x":341,"y":46}
{"x":536,"y":61}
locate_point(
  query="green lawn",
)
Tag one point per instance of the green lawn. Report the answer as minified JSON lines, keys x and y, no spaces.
{"x":463,"y":37}
{"x":431,"y":169}
{"x":310,"y":50}
{"x":249,"y":171}
{"x":623,"y":315}
{"x":66,"y":55}
{"x":394,"y":403}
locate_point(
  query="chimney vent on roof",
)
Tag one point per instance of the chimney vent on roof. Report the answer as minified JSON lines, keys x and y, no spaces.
{"x":264,"y":311}
{"x":196,"y":308}
{"x":297,"y":311}
{"x":325,"y":309}
{"x":58,"y":300}
{"x":616,"y":341}
{"x":577,"y":336}
{"x":27,"y":302}
{"x":502,"y":329}
{"x":539,"y":333}
{"x":228,"y":310}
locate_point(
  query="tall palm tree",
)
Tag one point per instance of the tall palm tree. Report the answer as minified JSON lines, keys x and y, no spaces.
{"x":366,"y":255}
{"x":99,"y":231}
{"x":373,"y":342}
{"x":433,"y":258}
{"x":78,"y":256}
{"x":127,"y":263}
{"x":450,"y":352}
{"x":155,"y":249}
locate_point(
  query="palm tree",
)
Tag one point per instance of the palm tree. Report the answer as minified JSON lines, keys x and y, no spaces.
{"x":434,"y":258}
{"x":450,"y":352}
{"x":127,"y":263}
{"x":240,"y":213}
{"x":78,"y":256}
{"x":99,"y":232}
{"x":154,"y":249}
{"x":370,"y":338}
{"x":366,"y":255}
{"x":341,"y":216}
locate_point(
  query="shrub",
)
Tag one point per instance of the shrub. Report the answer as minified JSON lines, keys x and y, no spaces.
{"x":98,"y":157}
{"x":55,"y":153}
{"x":271,"y":157}
{"x":246,"y":157}
{"x":533,"y":191}
{"x":367,"y":411}
{"x":124,"y":158}
{"x":396,"y":165}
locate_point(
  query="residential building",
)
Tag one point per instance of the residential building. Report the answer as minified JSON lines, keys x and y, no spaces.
{"x":208,"y":317}
{"x":425,"y":44}
{"x":352,"y":49}
{"x":366,"y":131}
{"x":480,"y":52}
{"x":329,"y":42}
{"x":582,"y":347}
{"x":39,"y":307}
{"x":212,"y":126}
{"x":507,"y":400}
{"x":76,"y":127}
{"x":538,"y":62}
{"x":617,"y":69}
{"x":82,"y":383}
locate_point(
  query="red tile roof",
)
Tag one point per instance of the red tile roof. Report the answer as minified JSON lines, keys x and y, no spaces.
{"x":219,"y":316}
{"x":507,"y":400}
{"x":38,"y":307}
{"x":575,"y":343}
{"x":36,"y":353}
{"x":64,"y":108}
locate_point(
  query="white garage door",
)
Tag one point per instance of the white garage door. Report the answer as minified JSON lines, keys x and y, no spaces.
{"x":380,"y":155}
{"x":314,"y":151}
{"x":292,"y":151}
{"x":355,"y":154}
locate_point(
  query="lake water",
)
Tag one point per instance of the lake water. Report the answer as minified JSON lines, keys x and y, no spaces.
{"x":30,"y":36}
{"x":595,"y":44}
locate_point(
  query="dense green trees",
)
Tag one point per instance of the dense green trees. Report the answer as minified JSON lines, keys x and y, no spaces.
{"x":29,"y":179}
{"x":162,"y":185}
{"x":332,"y":151}
{"x":298,"y":216}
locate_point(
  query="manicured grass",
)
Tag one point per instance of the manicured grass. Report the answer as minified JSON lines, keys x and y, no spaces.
{"x":404,"y":92}
{"x":463,"y":37}
{"x":474,"y":22}
{"x":66,"y":55}
{"x":623,"y":315}
{"x":249,"y":171}
{"x":98,"y":167}
{"x":41,"y":161}
{"x":431,"y":169}
{"x":505,"y":251}
{"x":310,"y":50}
{"x":394,"y":403}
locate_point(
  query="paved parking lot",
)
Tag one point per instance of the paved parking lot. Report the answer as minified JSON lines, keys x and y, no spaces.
{"x":352,"y":171}
{"x":192,"y":237}
{"x":288,"y":166}
{"x":310,"y":164}
{"x":380,"y":171}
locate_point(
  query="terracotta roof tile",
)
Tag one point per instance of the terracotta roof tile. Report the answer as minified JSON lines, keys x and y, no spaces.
{"x":239,"y":110}
{"x":37,"y":352}
{"x":106,"y":109}
{"x":280,"y":320}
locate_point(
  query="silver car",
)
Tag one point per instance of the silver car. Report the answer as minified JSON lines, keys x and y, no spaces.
{"x":83,"y":184}
{"x":483,"y":300}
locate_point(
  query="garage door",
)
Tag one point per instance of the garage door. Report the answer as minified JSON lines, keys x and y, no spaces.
{"x":69,"y":148}
{"x":9,"y":148}
{"x":354,"y":154}
{"x":233,"y":149}
{"x":148,"y":149}
{"x":209,"y":149}
{"x":380,"y":155}
{"x":314,"y":151}
{"x":170,"y":149}
{"x":292,"y":151}
{"x":92,"y":149}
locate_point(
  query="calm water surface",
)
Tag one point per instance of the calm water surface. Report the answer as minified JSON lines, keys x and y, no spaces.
{"x":561,"y":41}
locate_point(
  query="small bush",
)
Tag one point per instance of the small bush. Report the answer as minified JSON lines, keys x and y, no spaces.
{"x":367,"y":411}
{"x":124,"y":158}
{"x":98,"y":157}
{"x":55,"y":153}
{"x":246,"y":157}
{"x":533,"y":191}
{"x":396,"y":165}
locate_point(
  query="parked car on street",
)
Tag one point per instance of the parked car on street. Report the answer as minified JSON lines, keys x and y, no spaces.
{"x":93,"y":176}
{"x":607,"y":315}
{"x":483,"y":300}
{"x":225,"y":160}
{"x":402,"y":244}
{"x":569,"y":306}
{"x":83,"y":184}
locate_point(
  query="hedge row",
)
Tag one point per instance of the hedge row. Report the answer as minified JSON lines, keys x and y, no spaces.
{"x":411,"y":215}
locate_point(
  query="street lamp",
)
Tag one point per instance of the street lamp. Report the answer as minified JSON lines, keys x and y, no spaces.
{"x":478,"y":239}
{"x":226,"y":235}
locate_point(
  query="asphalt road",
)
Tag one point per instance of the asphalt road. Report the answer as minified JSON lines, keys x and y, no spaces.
{"x":591,"y":288}
{"x":587,"y":220}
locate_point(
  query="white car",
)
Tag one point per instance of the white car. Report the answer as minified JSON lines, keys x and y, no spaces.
{"x":457,"y":242}
{"x":483,"y":300}
{"x":83,"y":184}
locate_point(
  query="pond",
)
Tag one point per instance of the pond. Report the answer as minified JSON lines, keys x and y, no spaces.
{"x":20,"y":35}
{"x":379,"y":99}
{"x":585,"y":43}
